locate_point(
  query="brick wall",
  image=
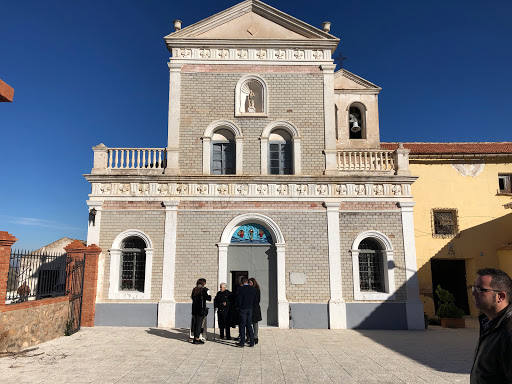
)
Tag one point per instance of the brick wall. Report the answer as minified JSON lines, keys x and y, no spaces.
{"x":296,"y":97}
{"x":390,"y":224}
{"x":305,"y":234}
{"x":151,"y":222}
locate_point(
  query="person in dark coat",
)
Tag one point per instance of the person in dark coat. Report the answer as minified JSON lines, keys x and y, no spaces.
{"x":222,"y":304}
{"x":199,"y":297}
{"x":256,"y":309}
{"x":492,"y":295}
{"x":246,"y":297}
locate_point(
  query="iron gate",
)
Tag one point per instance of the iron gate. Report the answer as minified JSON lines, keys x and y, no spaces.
{"x":75,"y":284}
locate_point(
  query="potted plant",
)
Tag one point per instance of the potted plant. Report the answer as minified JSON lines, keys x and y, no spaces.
{"x":451,"y":315}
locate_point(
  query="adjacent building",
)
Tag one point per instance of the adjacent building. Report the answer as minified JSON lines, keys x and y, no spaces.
{"x":461,"y":221}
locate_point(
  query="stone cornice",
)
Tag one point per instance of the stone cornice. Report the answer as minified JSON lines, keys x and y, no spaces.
{"x":126,"y":177}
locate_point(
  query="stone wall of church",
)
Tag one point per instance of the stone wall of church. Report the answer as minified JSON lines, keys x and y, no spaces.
{"x":304,"y":227}
{"x":388,"y":223}
{"x":296,"y":97}
{"x":148,"y":217}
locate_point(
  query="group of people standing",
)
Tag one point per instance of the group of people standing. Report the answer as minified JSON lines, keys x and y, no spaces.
{"x":241,"y":308}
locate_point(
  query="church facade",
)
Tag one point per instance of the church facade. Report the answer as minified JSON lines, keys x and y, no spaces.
{"x":273,"y":169}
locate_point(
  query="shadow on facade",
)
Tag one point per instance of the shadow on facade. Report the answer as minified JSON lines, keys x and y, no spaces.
{"x":473,"y":248}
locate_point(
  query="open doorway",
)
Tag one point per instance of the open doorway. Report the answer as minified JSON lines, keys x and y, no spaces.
{"x":451,"y":275}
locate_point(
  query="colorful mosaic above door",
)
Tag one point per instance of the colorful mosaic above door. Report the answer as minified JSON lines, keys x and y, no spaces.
{"x":252,"y":234}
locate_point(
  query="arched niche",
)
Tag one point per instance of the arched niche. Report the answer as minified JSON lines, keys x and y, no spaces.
{"x":251,"y":96}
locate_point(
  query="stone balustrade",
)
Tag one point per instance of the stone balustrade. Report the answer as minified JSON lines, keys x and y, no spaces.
{"x":366,"y":160}
{"x":374,"y":160}
{"x":133,"y":158}
{"x":143,"y":160}
{"x":154,"y":160}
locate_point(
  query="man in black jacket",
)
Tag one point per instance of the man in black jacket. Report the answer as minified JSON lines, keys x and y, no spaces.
{"x":222,"y":304}
{"x":245,"y":300}
{"x":492,"y":293}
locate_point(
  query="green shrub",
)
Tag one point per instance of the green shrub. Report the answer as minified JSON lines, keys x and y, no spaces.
{"x":447,"y":308}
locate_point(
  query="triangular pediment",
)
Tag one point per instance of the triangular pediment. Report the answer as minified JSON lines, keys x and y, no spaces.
{"x":251,"y":19}
{"x":250,"y":26}
{"x":345,"y":80}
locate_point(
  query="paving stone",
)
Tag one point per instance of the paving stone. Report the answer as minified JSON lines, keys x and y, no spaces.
{"x":132,"y":355}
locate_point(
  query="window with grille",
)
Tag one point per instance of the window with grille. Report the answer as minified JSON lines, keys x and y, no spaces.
{"x":223,"y":158}
{"x":444,"y":222}
{"x":371,"y":269}
{"x":133,"y":266}
{"x":505,"y":183}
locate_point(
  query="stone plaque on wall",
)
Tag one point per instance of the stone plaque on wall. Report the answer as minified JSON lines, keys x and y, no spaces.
{"x":297,"y":278}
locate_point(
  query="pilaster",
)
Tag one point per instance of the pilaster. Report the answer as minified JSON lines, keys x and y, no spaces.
{"x":283,"y":309}
{"x":93,"y":229}
{"x":337,"y":307}
{"x":173,"y":136}
{"x":415,"y":318}
{"x":167,"y":304}
{"x":330,"y":120}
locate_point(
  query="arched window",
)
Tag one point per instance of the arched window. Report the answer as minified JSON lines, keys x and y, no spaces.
{"x":280,"y":149}
{"x":223,"y":153}
{"x":371,"y":272}
{"x":373,"y":267}
{"x":280,"y":153}
{"x":357,"y":121}
{"x":222,"y":149}
{"x":251,"y":96}
{"x":133,"y":267}
{"x":131,"y":264}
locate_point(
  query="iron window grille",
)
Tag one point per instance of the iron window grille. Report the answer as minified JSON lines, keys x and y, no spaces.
{"x":505,"y":184}
{"x":371,"y":268}
{"x":280,"y":154}
{"x":223,"y":158}
{"x":444,"y":222}
{"x":133,"y":267}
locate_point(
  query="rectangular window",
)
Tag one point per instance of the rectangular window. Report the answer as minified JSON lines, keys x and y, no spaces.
{"x":223,"y":158}
{"x":444,"y":222}
{"x":280,"y":158}
{"x":505,"y":184}
{"x":133,"y":271}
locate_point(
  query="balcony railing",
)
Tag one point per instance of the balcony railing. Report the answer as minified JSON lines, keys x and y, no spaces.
{"x":366,"y":160}
{"x":135,"y":158}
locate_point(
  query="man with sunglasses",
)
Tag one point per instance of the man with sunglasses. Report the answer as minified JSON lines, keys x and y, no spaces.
{"x":492,"y":293}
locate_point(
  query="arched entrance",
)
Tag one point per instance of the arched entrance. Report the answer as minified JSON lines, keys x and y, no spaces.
{"x":253,"y":244}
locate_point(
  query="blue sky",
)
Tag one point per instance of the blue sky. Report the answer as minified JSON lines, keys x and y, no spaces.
{"x":96,"y":71}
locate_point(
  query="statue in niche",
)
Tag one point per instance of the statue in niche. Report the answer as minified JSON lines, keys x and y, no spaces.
{"x":250,"y":98}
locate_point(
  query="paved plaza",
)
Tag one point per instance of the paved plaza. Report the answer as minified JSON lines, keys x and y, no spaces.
{"x":152,"y":355}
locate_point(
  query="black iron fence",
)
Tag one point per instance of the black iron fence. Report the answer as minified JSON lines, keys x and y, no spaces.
{"x":35,"y":276}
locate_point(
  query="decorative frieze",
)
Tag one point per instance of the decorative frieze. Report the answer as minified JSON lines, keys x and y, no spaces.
{"x":251,"y":189}
{"x":268,"y":54}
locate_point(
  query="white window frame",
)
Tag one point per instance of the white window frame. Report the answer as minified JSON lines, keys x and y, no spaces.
{"x":387,"y":264}
{"x":114,"y":291}
{"x":207,"y":145}
{"x":238,"y":94}
{"x":296,"y":148}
